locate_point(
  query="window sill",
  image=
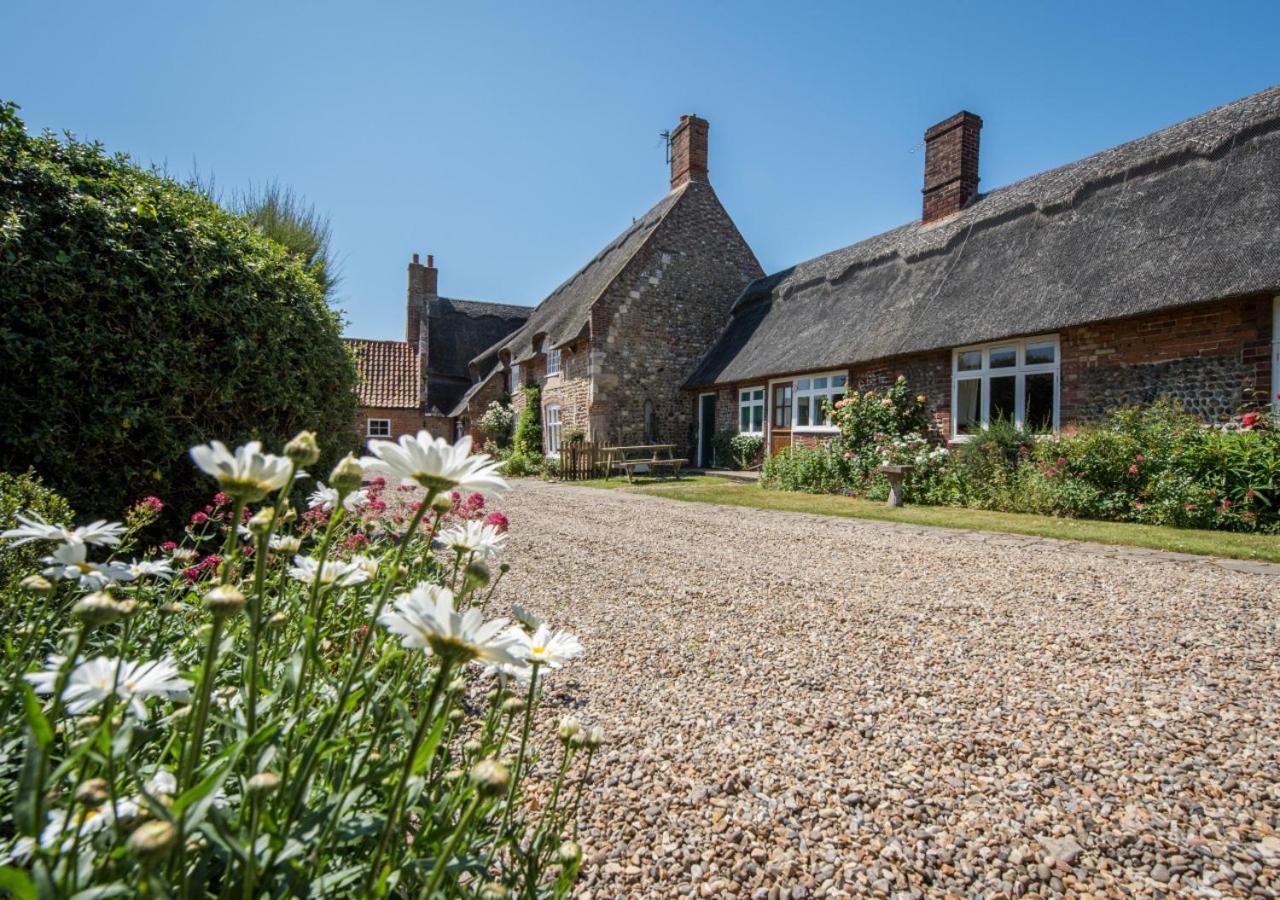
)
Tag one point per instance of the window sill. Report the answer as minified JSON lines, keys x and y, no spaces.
{"x":815,"y":429}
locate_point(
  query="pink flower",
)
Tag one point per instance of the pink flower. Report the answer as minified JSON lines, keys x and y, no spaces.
{"x":1250,"y":494}
{"x":191,"y":573}
{"x":1190,"y":505}
{"x":1225,"y":502}
{"x":168,"y":546}
{"x":221,"y":499}
{"x":1133,"y":470}
{"x":1062,"y":460}
{"x":497,"y":520}
{"x":848,"y":454}
{"x":377,"y":483}
{"x":199,"y":518}
{"x":151,"y":503}
{"x":356,"y":541}
{"x":1140,"y":458}
{"x":1139,"y":506}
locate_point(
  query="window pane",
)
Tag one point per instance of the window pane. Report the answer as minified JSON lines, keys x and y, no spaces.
{"x":802,"y":384}
{"x":969,"y":360}
{"x":757,"y":418}
{"x":1039,"y":354}
{"x":819,"y":384}
{"x":1004,"y":357}
{"x":758,"y":395}
{"x":1003,"y":391}
{"x":839,"y":380}
{"x":744,"y":418}
{"x":968,"y":398}
{"x":1038,"y":403}
{"x":802,"y":412}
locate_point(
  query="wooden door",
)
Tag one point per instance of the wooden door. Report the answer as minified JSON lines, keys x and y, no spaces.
{"x":780,"y":401}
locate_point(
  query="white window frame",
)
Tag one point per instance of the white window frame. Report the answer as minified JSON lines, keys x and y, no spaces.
{"x":746,"y":401}
{"x":1019,"y":370}
{"x":811,"y":393}
{"x":515,"y":377}
{"x":553,"y":361}
{"x":550,"y":429}
{"x":369,"y":432}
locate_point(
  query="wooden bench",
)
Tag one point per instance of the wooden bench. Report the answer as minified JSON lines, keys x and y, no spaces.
{"x":651,"y":456}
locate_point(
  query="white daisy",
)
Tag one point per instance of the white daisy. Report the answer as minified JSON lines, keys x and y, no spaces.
{"x":285,"y":543}
{"x":248,"y":474}
{"x":335,"y":572}
{"x":425,"y":618}
{"x":435,"y":464}
{"x":326,"y":498}
{"x":367,"y":564}
{"x":184,"y":555}
{"x":67,"y":563}
{"x":465,"y":538}
{"x":546,"y":647}
{"x":35,"y":528}
{"x":96,"y":679}
{"x":527,"y":618}
{"x":151,"y":568}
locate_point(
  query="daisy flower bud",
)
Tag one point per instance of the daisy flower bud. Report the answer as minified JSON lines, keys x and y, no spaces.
{"x":441,"y":504}
{"x":128,"y":607}
{"x":569,"y":728}
{"x":97,"y":608}
{"x":152,"y":841}
{"x":263,"y":783}
{"x":93,"y":792}
{"x":224,"y":600}
{"x":261,"y":521}
{"x":303,"y":449}
{"x":453,"y":775}
{"x":457,"y":686}
{"x":346,"y":475}
{"x":595,"y":737}
{"x":475,"y":576}
{"x":513,"y":705}
{"x":570,"y":853}
{"x":278,"y":619}
{"x":494,"y":891}
{"x":37,"y":584}
{"x":456,"y":716}
{"x":490,"y":777}
{"x":472,"y":746}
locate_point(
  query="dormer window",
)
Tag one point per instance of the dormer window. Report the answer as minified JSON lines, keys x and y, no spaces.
{"x":553,"y":362}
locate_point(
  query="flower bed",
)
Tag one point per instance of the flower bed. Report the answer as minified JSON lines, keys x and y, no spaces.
{"x":286,"y":701}
{"x":1156,"y":465}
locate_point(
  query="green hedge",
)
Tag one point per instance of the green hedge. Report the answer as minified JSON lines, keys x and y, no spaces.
{"x":26,"y":493}
{"x":138,"y":318}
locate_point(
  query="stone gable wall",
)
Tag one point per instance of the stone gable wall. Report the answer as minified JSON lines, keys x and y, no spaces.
{"x":660,"y":316}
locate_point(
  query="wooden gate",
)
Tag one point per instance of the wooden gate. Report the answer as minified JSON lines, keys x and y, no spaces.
{"x":581,"y":460}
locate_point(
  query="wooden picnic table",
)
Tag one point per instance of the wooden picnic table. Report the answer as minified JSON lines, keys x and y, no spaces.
{"x":653,"y":456}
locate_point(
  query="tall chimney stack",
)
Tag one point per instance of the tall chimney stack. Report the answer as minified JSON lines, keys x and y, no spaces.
{"x":689,"y":151}
{"x":950,"y":165}
{"x":423,"y":283}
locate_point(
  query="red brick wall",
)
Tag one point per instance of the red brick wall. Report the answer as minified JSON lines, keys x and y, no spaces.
{"x":950,"y":165}
{"x":926,"y":373}
{"x":403,"y":421}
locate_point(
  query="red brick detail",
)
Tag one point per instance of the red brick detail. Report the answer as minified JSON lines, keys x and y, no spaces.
{"x":689,"y":151}
{"x":403,"y":421}
{"x":950,"y":165}
{"x":926,"y":373}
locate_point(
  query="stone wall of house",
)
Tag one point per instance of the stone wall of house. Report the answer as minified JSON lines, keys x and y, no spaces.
{"x":439,"y":427}
{"x":1213,"y":357}
{"x":469,"y":423}
{"x":570,"y":389}
{"x":926,"y":373}
{"x":403,"y":421}
{"x":657,"y":320}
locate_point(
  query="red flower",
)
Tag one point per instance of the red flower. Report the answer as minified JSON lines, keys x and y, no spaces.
{"x":497,"y":520}
{"x":1190,"y":505}
{"x":221,"y":499}
{"x":1248,"y":420}
{"x":168,"y":546}
{"x":1133,"y":470}
{"x":1140,"y":458}
{"x":1225,"y":503}
{"x":1251,"y":493}
{"x":1062,"y":460}
{"x":199,"y":518}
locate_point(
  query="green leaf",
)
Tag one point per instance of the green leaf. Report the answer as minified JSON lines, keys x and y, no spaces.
{"x":41,"y":730}
{"x":17,"y":884}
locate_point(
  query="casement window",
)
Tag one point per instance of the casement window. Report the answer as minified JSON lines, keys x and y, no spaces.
{"x":553,"y":362}
{"x":751,"y":410}
{"x":379,"y":428}
{"x":814,"y":397}
{"x":783,"y":397}
{"x":1013,"y":380}
{"x":515,"y":377}
{"x":551,"y":428}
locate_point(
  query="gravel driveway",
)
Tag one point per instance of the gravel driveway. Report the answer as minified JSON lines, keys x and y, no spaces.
{"x":802,"y":706}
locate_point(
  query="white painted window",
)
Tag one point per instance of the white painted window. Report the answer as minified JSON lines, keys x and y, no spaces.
{"x":515,"y":377}
{"x":1014,"y":380}
{"x":814,"y":397}
{"x":553,"y":362}
{"x":751,"y":410}
{"x":551,"y":428}
{"x":379,"y":428}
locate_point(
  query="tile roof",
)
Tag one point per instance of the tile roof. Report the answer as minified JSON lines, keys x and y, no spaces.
{"x":390,"y":376}
{"x":1181,"y":216}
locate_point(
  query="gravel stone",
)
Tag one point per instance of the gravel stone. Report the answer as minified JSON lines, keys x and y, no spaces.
{"x":803,"y":706}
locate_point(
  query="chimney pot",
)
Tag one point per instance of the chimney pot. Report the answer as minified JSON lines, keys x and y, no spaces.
{"x":431,"y":261}
{"x":950,"y":165}
{"x":689,"y":151}
{"x":415,"y":259}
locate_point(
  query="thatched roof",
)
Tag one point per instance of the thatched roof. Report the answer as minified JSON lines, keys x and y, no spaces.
{"x":1182,"y":216}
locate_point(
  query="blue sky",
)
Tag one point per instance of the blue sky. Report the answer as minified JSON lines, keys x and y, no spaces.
{"x":515,"y":140}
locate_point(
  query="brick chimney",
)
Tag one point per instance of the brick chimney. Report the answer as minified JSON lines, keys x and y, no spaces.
{"x":950,"y":165}
{"x":423,"y":282}
{"x":689,"y":151}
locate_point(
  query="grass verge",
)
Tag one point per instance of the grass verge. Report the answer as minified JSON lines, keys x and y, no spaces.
{"x":660,"y":484}
{"x":1179,"y":540}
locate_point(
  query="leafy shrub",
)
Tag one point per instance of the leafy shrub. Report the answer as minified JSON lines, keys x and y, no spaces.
{"x":819,"y":469}
{"x":549,"y":467}
{"x":25,"y":493}
{"x":497,"y":421}
{"x":876,"y":428}
{"x":736,"y":451}
{"x":528,"y":436}
{"x":299,"y":711}
{"x":521,"y":465}
{"x":138,"y":318}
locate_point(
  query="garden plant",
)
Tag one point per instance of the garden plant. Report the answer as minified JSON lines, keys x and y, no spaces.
{"x":286,"y":700}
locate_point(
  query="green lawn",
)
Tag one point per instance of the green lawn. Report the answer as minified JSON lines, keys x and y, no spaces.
{"x":708,"y":489}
